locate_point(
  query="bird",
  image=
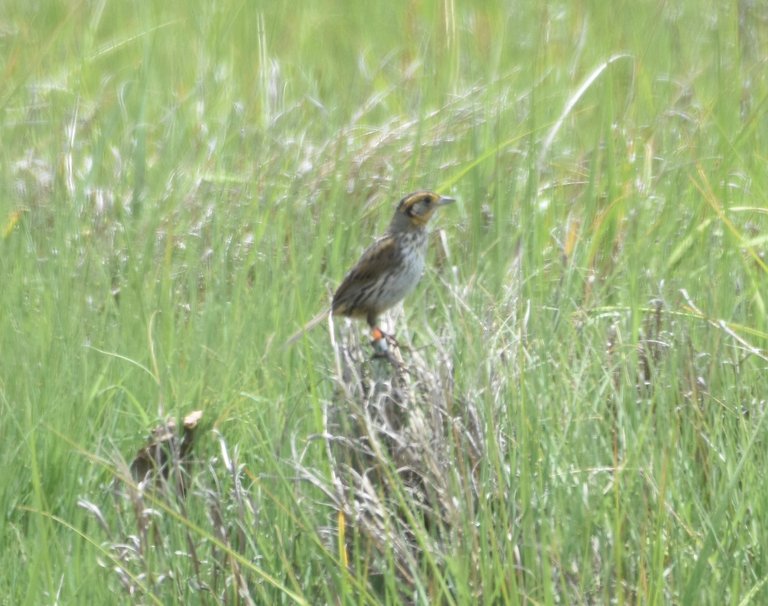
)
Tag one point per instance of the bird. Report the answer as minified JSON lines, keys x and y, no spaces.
{"x":389,"y":269}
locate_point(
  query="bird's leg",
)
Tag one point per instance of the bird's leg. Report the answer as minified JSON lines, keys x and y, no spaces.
{"x":379,"y":339}
{"x":381,"y":350}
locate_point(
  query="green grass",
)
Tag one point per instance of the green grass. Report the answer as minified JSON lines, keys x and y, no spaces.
{"x":183,"y":183}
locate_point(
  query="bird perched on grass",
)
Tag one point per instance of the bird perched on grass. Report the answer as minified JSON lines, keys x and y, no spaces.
{"x":389,"y":269}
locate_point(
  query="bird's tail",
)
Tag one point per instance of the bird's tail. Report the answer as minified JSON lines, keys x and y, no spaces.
{"x":307,"y":327}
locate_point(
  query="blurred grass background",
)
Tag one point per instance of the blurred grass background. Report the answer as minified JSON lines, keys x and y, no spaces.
{"x":182,"y":184}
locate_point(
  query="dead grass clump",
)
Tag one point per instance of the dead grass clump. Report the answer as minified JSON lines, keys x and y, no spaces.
{"x":405,"y":456}
{"x":178,"y":527}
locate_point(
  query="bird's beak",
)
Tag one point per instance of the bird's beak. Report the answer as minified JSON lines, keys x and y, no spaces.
{"x":445,"y":200}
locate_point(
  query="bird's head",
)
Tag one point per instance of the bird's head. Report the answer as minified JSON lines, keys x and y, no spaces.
{"x":416,"y":209}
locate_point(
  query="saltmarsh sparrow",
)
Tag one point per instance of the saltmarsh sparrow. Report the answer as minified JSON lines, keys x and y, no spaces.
{"x":390,"y":268}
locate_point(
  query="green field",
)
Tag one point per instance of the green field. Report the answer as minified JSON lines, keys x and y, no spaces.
{"x":584,"y":408}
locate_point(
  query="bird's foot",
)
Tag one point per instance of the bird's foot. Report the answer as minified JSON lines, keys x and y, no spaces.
{"x":385,"y":346}
{"x":379,"y":342}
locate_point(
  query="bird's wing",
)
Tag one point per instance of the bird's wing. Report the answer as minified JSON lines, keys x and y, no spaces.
{"x":379,"y":258}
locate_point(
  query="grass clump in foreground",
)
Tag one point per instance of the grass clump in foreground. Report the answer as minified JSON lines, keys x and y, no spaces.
{"x":583,"y":412}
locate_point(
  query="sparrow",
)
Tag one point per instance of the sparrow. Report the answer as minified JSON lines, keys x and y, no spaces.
{"x":389,"y":269}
